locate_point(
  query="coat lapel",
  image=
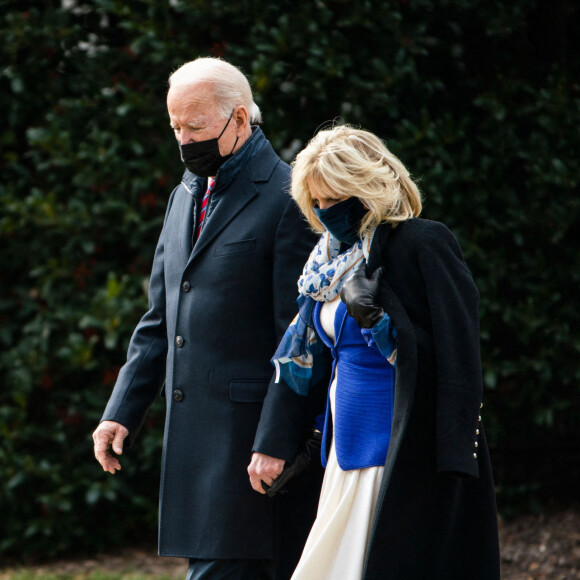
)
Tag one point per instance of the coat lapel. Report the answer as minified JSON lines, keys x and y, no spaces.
{"x":378,"y":246}
{"x":239,"y":188}
{"x":242,"y":191}
{"x":192,"y":185}
{"x":406,"y":365}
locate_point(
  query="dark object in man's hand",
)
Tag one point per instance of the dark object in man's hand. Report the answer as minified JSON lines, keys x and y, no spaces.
{"x":309,"y":451}
{"x":360,"y":293}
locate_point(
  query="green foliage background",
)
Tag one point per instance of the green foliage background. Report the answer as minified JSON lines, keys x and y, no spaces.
{"x":480,"y":99}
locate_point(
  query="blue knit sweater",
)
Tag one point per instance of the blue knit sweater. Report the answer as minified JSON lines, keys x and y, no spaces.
{"x":364,"y":392}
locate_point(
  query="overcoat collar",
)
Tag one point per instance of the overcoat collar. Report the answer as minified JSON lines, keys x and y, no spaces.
{"x":235,"y":187}
{"x":378,"y":246}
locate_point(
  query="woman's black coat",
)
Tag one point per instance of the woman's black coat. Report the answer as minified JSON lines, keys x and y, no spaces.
{"x":436,"y":515}
{"x":436,"y":512}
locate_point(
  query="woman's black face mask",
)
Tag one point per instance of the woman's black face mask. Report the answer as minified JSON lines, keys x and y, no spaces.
{"x":204,"y":158}
{"x":343,"y":219}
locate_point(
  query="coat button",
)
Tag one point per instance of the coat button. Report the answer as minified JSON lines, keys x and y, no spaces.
{"x":479,"y":418}
{"x":179,"y":341}
{"x":476,"y":443}
{"x":477,"y":431}
{"x":186,"y":286}
{"x":177,"y":395}
{"x":475,"y":456}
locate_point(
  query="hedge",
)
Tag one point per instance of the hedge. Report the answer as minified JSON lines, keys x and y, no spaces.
{"x":480,"y":99}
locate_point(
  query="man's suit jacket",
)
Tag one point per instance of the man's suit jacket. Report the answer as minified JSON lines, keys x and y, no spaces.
{"x":217,"y":311}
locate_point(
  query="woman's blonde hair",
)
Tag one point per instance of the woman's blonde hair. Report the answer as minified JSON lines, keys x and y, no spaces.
{"x":346,"y":162}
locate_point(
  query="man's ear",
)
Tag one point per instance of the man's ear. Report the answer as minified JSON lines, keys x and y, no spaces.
{"x":241,"y":118}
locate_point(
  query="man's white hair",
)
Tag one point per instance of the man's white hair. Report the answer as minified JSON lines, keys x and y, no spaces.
{"x":231,"y":87}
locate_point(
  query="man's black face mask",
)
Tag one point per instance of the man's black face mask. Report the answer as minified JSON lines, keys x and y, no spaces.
{"x":204,"y":158}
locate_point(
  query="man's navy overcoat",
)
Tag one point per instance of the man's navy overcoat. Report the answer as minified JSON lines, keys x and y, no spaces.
{"x":217,"y":309}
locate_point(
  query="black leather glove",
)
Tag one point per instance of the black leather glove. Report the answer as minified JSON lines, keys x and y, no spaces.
{"x":309,"y":451}
{"x":360,"y":293}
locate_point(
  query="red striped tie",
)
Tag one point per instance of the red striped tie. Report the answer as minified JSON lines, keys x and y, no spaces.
{"x":204,"y":207}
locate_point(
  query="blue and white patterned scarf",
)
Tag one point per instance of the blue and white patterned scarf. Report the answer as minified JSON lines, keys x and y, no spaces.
{"x":322,"y":279}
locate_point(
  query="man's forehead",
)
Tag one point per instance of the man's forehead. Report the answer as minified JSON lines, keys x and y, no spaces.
{"x":195,"y":98}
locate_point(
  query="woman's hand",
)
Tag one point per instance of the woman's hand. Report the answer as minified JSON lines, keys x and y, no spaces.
{"x":359,"y":294}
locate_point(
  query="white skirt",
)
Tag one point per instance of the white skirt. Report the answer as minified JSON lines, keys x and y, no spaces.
{"x":337,"y":544}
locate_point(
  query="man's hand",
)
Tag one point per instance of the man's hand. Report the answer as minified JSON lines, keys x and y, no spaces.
{"x":264,"y":468}
{"x":106,"y":434}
